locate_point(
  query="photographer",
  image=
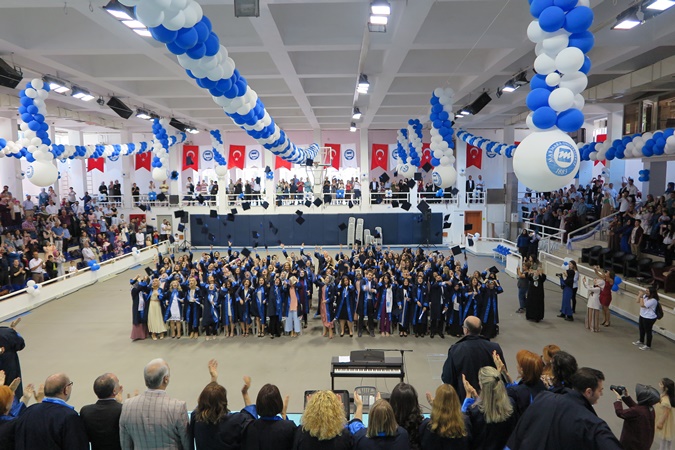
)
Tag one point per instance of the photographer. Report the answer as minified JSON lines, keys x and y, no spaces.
{"x":648,"y":301}
{"x":639,"y":419}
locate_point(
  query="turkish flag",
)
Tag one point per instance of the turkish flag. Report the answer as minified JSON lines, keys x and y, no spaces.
{"x":143,"y":160}
{"x":95,"y":163}
{"x":335,"y":154}
{"x":426,"y":154}
{"x":237,"y":156}
{"x":379,"y":156}
{"x":279,"y":163}
{"x":190,"y":157}
{"x":600,"y":138}
{"x":474,"y":156}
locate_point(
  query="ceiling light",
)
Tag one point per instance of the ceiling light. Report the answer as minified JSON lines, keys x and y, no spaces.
{"x":82,"y":94}
{"x":509,"y":86}
{"x":192,"y":130}
{"x":363,"y":85}
{"x":378,"y":20}
{"x":356,"y":114}
{"x":55,"y":84}
{"x":520,"y":79}
{"x":119,"y":11}
{"x":627,"y":20}
{"x":466,"y":111}
{"x":142,"y":32}
{"x":143,"y":114}
{"x":352,"y":127}
{"x":177,"y":124}
{"x":661,"y":5}
{"x":377,"y":28}
{"x":458,"y":116}
{"x":500,"y":91}
{"x":380,"y":7}
{"x":246,"y":8}
{"x":133,"y":24}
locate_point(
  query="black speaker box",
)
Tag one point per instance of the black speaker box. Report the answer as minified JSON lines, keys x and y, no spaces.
{"x":173,"y":199}
{"x":119,"y":107}
{"x":480,"y":103}
{"x":185,"y":218}
{"x":9,"y":76}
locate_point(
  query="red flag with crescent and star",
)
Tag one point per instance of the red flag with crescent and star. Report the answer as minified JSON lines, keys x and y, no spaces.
{"x":335,"y":152}
{"x":474,"y":156}
{"x":190,"y":157}
{"x":379,"y":156}
{"x":95,"y":163}
{"x":600,"y":138}
{"x":144,"y":161}
{"x":237,"y":156}
{"x":279,"y":163}
{"x":426,"y":154}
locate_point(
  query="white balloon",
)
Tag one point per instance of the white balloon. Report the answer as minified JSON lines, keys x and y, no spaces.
{"x":149,"y":14}
{"x":579,"y":102}
{"x":176,"y":22}
{"x":42,"y":173}
{"x":574,"y":81}
{"x":552,"y":79}
{"x":37,"y":83}
{"x":535,"y":33}
{"x":221,"y":171}
{"x":593,"y":156}
{"x":544,"y":64}
{"x":556,"y":43}
{"x":406,"y":170}
{"x":444,"y":176}
{"x":647,"y":136}
{"x":530,"y":123}
{"x":438,"y":92}
{"x":445,"y":161}
{"x":193,"y":14}
{"x":228,"y":67}
{"x":159,"y":174}
{"x":569,"y":60}
{"x":539,"y":49}
{"x":30,"y":283}
{"x":30,"y":92}
{"x":546,"y":161}
{"x":561,"y":99}
{"x":42,"y":156}
{"x":584,"y":3}
{"x":670,"y":141}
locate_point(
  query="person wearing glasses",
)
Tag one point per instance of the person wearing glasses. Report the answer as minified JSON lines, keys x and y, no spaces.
{"x":52,"y":424}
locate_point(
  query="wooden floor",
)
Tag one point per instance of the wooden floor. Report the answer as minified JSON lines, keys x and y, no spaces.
{"x":87,"y":333}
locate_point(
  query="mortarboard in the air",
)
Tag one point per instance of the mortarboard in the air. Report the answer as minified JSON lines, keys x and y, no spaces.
{"x":149,"y":271}
{"x":142,"y":207}
{"x":234,"y":211}
{"x":266,"y":247}
{"x":278,"y":241}
{"x":406,"y":205}
{"x":246,"y":252}
{"x":205,"y":229}
{"x":212,"y":237}
{"x":161,"y":197}
{"x":178,"y":214}
{"x":357,"y":242}
{"x":394,"y":204}
{"x":275,"y":230}
{"x":255,"y":244}
{"x":246,"y":206}
{"x":267,"y":169}
{"x":318,"y":202}
{"x":446,"y":225}
{"x":378,"y":200}
{"x":342,"y":226}
{"x":229,"y":236}
{"x":200,"y":199}
{"x":417,"y":176}
{"x":411,"y":184}
{"x":199,"y":221}
{"x":454,"y":191}
{"x":271,"y":225}
{"x":376,"y":234}
{"x":257,"y":180}
{"x":181,"y":227}
{"x":438,"y":233}
{"x":255,"y":234}
{"x":213,"y":213}
{"x":423,"y":206}
{"x":468,"y":227}
{"x":299,"y":213}
{"x":446,"y":217}
{"x":308,"y":203}
{"x":300,"y":220}
{"x":493,"y":269}
{"x":230,"y":217}
{"x":351,"y":204}
{"x":427,"y":167}
{"x":265,"y":205}
{"x":384,"y":177}
{"x":456,"y":250}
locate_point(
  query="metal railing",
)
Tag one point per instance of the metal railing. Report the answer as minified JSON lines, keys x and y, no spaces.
{"x":603,"y":225}
{"x":477,"y":197}
{"x":551,"y":238}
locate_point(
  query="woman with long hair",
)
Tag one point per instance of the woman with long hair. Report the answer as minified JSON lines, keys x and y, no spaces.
{"x":665,"y":421}
{"x":546,"y":357}
{"x":383,"y":431}
{"x":259,"y":305}
{"x":648,"y":301}
{"x":448,"y":428}
{"x":606,"y":293}
{"x":593,"y":305}
{"x":567,"y":284}
{"x":403,"y":293}
{"x":407,"y":411}
{"x":323,"y":424}
{"x":153,"y":312}
{"x":563,"y":366}
{"x":173,"y":314}
{"x":492,"y":414}
{"x":523,"y":392}
{"x":326,"y":297}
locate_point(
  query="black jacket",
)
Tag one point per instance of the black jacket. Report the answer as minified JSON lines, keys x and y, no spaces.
{"x":467,"y":356}
{"x":398,"y":442}
{"x":303,"y":441}
{"x":225,"y":435}
{"x":49,"y":426}
{"x":9,"y":360}
{"x":102,"y":422}
{"x":264,"y":434}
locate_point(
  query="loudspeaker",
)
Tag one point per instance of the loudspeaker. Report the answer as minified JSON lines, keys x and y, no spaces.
{"x":185,"y":218}
{"x":120,"y":108}
{"x":173,"y":199}
{"x":9,"y":76}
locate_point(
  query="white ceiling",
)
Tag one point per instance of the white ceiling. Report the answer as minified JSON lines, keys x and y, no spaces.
{"x":302,"y":57}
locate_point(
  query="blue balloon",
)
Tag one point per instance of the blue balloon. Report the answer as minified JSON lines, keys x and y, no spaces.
{"x":32,"y":109}
{"x":438,"y":124}
{"x":197,"y":52}
{"x":570,"y":120}
{"x":537,"y":6}
{"x":212,"y":44}
{"x":95,"y":266}
{"x":647,"y":151}
{"x":208,"y":84}
{"x":175,"y":48}
{"x":437,"y":108}
{"x":33,"y":125}
{"x":552,"y":19}
{"x":658,"y":150}
{"x":26,"y":117}
{"x":187,"y":38}
{"x":539,"y":82}
{"x":30,"y":158}
{"x":586,"y":67}
{"x":565,"y":5}
{"x":202,"y":30}
{"x":91,"y":262}
{"x":163,"y":35}
{"x":537,"y":98}
{"x":579,"y":19}
{"x":544,"y":117}
{"x":443,"y":115}
{"x":668,"y":132}
{"x":584,"y":41}
{"x":615,"y":288}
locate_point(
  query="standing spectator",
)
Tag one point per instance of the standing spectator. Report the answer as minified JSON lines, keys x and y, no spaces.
{"x":103,"y":191}
{"x":271,"y":430}
{"x":593,"y":305}
{"x":102,"y":419}
{"x":407,"y":412}
{"x":638,"y":420}
{"x":523,"y":243}
{"x":636,"y":238}
{"x":480,"y":189}
{"x":648,"y":300}
{"x":36,"y":266}
{"x":11,"y":342}
{"x":28,"y":207}
{"x":534,"y":306}
{"x":664,"y":414}
{"x":470,"y":186}
{"x":153,"y":420}
{"x":135,"y":192}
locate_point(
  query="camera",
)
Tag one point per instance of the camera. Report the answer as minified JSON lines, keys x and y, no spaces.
{"x":558,"y":274}
{"x":620,"y":389}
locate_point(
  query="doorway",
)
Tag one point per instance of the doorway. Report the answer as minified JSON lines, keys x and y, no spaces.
{"x":473,"y":222}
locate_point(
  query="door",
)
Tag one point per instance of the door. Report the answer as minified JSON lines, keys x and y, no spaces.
{"x":473,"y":222}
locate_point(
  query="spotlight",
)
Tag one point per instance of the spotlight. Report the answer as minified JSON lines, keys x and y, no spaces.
{"x":191,"y":130}
{"x":510,"y":86}
{"x":120,"y":108}
{"x":356,"y":115}
{"x":82,"y":94}
{"x":465,"y":111}
{"x":378,"y":20}
{"x":520,"y":79}
{"x":177,"y":124}
{"x":119,"y":11}
{"x":246,"y":8}
{"x":627,"y":20}
{"x":100,"y":101}
{"x":352,"y":127}
{"x":380,"y":7}
{"x":55,"y":84}
{"x":500,"y":92}
{"x":660,"y":5}
{"x":363,"y":85}
{"x":458,"y":116}
{"x":143,"y":114}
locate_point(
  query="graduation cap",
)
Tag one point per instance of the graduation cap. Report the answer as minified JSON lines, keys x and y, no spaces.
{"x":266,"y":247}
{"x":468,"y":227}
{"x":161,"y":197}
{"x":384,"y":177}
{"x":456,"y":250}
{"x":229,"y":236}
{"x":213,"y":213}
{"x":423,"y":206}
{"x":376,"y":234}
{"x":417,"y":176}
{"x":255,"y":244}
{"x":493,"y":269}
{"x":200,"y":199}
{"x":212,"y":237}
{"x":143,"y":207}
{"x":246,"y":252}
{"x":438,"y":233}
{"x":351,"y":204}
{"x":246,"y":206}
{"x":342,"y":226}
{"x":178,"y":214}
{"x":427,"y":167}
{"x":275,"y":231}
{"x":181,"y":227}
{"x":317,"y":202}
{"x":301,"y":263}
{"x":149,"y":271}
{"x":309,"y":162}
{"x":300,"y":220}
{"x":411,"y":184}
{"x":278,"y":241}
{"x":446,"y":217}
{"x":267,"y":169}
{"x":257,"y":180}
{"x":357,"y":242}
{"x":265,"y":205}
{"x":205,"y":229}
{"x":255,"y":234}
{"x":234,"y":211}
{"x":378,"y":200}
{"x":299,"y":213}
{"x":199,"y":221}
{"x":446,"y":225}
{"x":406,"y":205}
{"x":394,"y":204}
{"x":454,"y":191}
{"x":308,"y":203}
{"x":230,"y":217}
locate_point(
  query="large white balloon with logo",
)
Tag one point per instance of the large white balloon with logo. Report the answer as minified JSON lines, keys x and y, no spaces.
{"x":444,"y":176}
{"x":546,"y":161}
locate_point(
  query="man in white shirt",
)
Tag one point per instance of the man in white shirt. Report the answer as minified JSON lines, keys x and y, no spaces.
{"x":36,"y":266}
{"x":87,"y":253}
{"x":52,"y":209}
{"x":28,"y":207}
{"x":72,"y":196}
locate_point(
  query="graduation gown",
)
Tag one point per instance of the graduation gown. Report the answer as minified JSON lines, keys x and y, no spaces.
{"x":402,"y":305}
{"x":344,"y":300}
{"x":455,"y":311}
{"x":490,"y":312}
{"x":420,"y":294}
{"x":244,"y":305}
{"x":193,"y":306}
{"x":211,"y":312}
{"x":534,"y":303}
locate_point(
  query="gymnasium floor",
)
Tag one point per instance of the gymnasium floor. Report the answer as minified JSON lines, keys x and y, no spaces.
{"x":87,"y":333}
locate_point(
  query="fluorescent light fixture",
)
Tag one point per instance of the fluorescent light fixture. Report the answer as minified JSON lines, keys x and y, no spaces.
{"x":119,"y":11}
{"x":458,"y":116}
{"x":377,"y":28}
{"x":82,"y":94}
{"x":378,"y":20}
{"x":177,"y":124}
{"x":143,"y":114}
{"x":356,"y":114}
{"x":55,"y":84}
{"x":627,"y":20}
{"x":352,"y":127}
{"x":192,"y":130}
{"x":661,"y":5}
{"x":142,"y":32}
{"x":380,"y":7}
{"x":363,"y":85}
{"x":509,"y":86}
{"x":133,"y":24}
{"x":466,"y":111}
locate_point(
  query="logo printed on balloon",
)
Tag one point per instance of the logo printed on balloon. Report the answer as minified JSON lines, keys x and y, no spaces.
{"x":561,"y":158}
{"x":490,"y":153}
{"x":254,"y":154}
{"x":207,"y":155}
{"x":29,"y":172}
{"x":114,"y":157}
{"x":394,"y":154}
{"x":350,"y":154}
{"x":436,"y":179}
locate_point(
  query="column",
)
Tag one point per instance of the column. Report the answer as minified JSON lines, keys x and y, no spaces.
{"x":175,"y":163}
{"x":364,"y":167}
{"x":10,"y":167}
{"x":77,"y":175}
{"x":511,"y":188}
{"x":617,"y":167}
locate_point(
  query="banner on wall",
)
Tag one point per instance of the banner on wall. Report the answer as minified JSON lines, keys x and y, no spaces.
{"x":394,"y":160}
{"x":254,"y":156}
{"x":280,"y":163}
{"x":237,"y":156}
{"x":206,"y":157}
{"x":144,"y":161}
{"x":474,"y":156}
{"x":95,"y":163}
{"x":334,"y":154}
{"x":349,"y":157}
{"x":190,"y":157}
{"x":379,"y":156}
{"x":426,"y":154}
{"x":600,"y":138}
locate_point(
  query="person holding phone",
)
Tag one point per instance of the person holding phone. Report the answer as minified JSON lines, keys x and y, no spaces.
{"x":648,"y":300}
